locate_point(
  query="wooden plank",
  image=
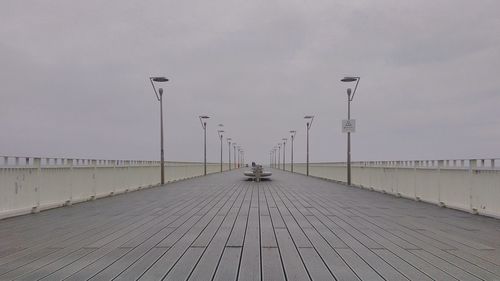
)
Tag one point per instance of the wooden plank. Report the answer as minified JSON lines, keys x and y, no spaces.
{"x":185,"y":265}
{"x":315,"y":265}
{"x":250,"y":259}
{"x":228,"y":266}
{"x":98,"y":265}
{"x":445,"y":266}
{"x":337,"y":266}
{"x":358,"y":265}
{"x":48,"y":269}
{"x":493,"y":268}
{"x":209,"y":261}
{"x":167,"y":261}
{"x":272,"y":268}
{"x":402,"y":266}
{"x":292,"y":263}
{"x":136,"y":270}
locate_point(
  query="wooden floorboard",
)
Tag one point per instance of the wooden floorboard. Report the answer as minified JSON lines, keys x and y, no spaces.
{"x":224,"y":227}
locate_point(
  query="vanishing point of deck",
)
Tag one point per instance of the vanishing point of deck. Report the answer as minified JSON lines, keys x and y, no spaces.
{"x":222,"y":227}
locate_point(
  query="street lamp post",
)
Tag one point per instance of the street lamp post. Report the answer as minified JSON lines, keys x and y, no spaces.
{"x":229,"y":151}
{"x":204,"y":126}
{"x":274,"y":154}
{"x":159,"y":97}
{"x":234,"y":149}
{"x":292,"y":137}
{"x":349,"y":99}
{"x":284,"y":153}
{"x":220,"y":132}
{"x":308,"y":126}
{"x":239,"y":156}
{"x":279,"y":155}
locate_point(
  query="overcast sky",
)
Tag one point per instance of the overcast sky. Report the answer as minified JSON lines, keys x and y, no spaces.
{"x":74,"y":77}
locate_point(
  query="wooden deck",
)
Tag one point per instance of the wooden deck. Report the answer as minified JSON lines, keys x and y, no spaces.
{"x":221,"y":227}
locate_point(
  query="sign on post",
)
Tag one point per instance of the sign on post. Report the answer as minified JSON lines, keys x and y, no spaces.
{"x":348,"y":126}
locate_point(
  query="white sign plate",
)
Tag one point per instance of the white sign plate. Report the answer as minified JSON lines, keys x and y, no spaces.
{"x":348,"y":126}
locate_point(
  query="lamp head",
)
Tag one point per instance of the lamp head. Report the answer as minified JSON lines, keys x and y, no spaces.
{"x":308,"y":116}
{"x":349,"y":79}
{"x":159,"y":79}
{"x":204,"y":116}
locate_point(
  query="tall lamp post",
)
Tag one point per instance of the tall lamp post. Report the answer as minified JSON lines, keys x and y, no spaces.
{"x":204,"y":126}
{"x":349,"y":99}
{"x":275,"y":157}
{"x":292,"y":137}
{"x":229,"y":151}
{"x":220,"y":132}
{"x":239,"y":156}
{"x":284,"y":153}
{"x":234,"y":156}
{"x":159,"y":97}
{"x":308,"y":126}
{"x":279,"y":155}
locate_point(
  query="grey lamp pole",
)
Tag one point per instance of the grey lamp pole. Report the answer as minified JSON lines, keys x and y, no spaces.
{"x":275,"y":161}
{"x":308,"y":126}
{"x":159,"y":96}
{"x":240,"y":162}
{"x":292,"y":136}
{"x":204,"y":125}
{"x":349,"y":99}
{"x":234,"y":149}
{"x":284,"y":153}
{"x":229,"y":151}
{"x":279,"y":155}
{"x":239,"y":155}
{"x":220,"y":132}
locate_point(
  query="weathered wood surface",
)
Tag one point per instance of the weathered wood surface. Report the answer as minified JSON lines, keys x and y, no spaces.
{"x":223,"y":227}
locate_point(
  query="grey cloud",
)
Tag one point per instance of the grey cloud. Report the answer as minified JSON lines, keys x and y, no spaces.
{"x":74,"y":77}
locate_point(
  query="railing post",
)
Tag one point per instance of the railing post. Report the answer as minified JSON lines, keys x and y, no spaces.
{"x":113,"y":162}
{"x":440,"y":165}
{"x":69,"y":202}
{"x":94,"y":181}
{"x":37,"y":163}
{"x":472,"y":167}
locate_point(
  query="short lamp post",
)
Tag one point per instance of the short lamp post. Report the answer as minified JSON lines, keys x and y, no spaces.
{"x":159,"y":97}
{"x":292,"y":137}
{"x":349,"y":99}
{"x":204,"y":126}
{"x":220,"y":132}
{"x":308,"y":126}
{"x":284,"y":153}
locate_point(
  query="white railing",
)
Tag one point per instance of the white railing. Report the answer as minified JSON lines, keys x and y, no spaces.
{"x":31,"y":184}
{"x":471,"y":185}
